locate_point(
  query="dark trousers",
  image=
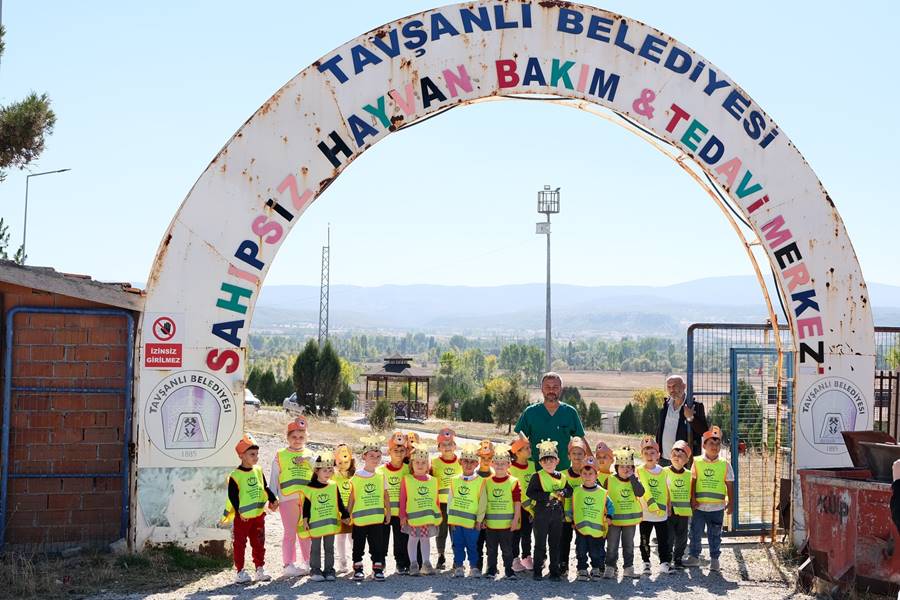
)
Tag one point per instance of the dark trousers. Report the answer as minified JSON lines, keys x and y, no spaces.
{"x":522,"y":538}
{"x":373,"y":535}
{"x":401,"y":556}
{"x":317,"y":546}
{"x":442,"y":530}
{"x":547,"y":530}
{"x":481,"y":539}
{"x":565,"y":546}
{"x":590,"y":547}
{"x":502,"y":538}
{"x":254,"y":531}
{"x":662,"y":540}
{"x":678,"y":536}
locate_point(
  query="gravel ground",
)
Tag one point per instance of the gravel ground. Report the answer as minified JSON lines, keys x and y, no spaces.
{"x":748,"y":571}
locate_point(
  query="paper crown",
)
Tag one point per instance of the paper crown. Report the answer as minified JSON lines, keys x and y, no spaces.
{"x":298,"y":424}
{"x":648,"y":441}
{"x":579,"y":442}
{"x":396,"y":440}
{"x":624,"y":457}
{"x":548,"y":448}
{"x":446,"y":435}
{"x":603,"y":450}
{"x":245,"y":444}
{"x":324,"y":460}
{"x":519,"y":443}
{"x":683,"y":446}
{"x":486,"y":449}
{"x":501,"y":453}
{"x":469,"y":452}
{"x":371,"y":443}
{"x":420,"y":452}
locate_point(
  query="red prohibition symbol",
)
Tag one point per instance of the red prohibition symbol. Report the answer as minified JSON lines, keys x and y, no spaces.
{"x":164,"y":329}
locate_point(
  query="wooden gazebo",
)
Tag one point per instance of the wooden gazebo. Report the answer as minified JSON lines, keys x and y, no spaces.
{"x":400,"y":370}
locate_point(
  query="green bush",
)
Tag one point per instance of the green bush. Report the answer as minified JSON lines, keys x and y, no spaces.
{"x":628,"y":421}
{"x":381,"y":417}
{"x":477,"y":409}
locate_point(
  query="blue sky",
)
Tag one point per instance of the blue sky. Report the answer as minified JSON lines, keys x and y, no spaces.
{"x":147,"y":93}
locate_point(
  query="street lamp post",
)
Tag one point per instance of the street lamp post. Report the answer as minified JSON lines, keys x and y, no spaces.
{"x":548,"y":203}
{"x":25,"y":225}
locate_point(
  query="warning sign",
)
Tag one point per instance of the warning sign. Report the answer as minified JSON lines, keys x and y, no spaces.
{"x":163,"y":348}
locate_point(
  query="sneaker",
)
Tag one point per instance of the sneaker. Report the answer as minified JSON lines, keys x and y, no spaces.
{"x":691,"y":561}
{"x":490,"y":574}
{"x":426,"y":569}
{"x":378,"y":575}
{"x":527,"y":563}
{"x":242,"y":576}
{"x":413,"y":570}
{"x":511,"y":576}
{"x":517,"y":565}
{"x":714,"y":565}
{"x":342,"y":566}
{"x":629,"y":572}
{"x":474,"y":573}
{"x":290,"y":571}
{"x":583,"y":575}
{"x":441,"y":563}
{"x":330,"y":577}
{"x":563,"y":570}
{"x":555,"y":577}
{"x":647,"y":569}
{"x":358,"y":574}
{"x":403,"y":570}
{"x":664,"y":568}
{"x":317,"y":577}
{"x":677,"y":566}
{"x":609,"y":573}
{"x":537,"y":576}
{"x":597,"y":573}
{"x":459,"y":571}
{"x":261,"y":575}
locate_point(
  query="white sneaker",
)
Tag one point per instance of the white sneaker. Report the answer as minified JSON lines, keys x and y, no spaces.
{"x":414,"y":570}
{"x":664,"y":568}
{"x":242,"y":576}
{"x":517,"y":565}
{"x":647,"y":569}
{"x":303,"y":569}
{"x":427,"y":569}
{"x":342,"y":566}
{"x":691,"y":561}
{"x":291,"y":571}
{"x":714,"y":565}
{"x":609,"y":573}
{"x":261,"y":575}
{"x":317,"y":577}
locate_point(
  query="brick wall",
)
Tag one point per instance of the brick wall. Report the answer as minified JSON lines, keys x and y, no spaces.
{"x":55,"y":432}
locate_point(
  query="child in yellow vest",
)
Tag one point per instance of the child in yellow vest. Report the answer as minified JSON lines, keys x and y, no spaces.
{"x":653,"y":478}
{"x":394,"y":471}
{"x":678,"y":479}
{"x":248,"y":494}
{"x":321,"y":516}
{"x":345,"y":467}
{"x":291,"y":471}
{"x":625,"y":491}
{"x":548,"y":489}
{"x":591,"y":512}
{"x":420,"y":512}
{"x":445,"y":467}
{"x":578,"y":450}
{"x":370,"y":511}
{"x":485,"y":455}
{"x":503,"y":514}
{"x":522,"y":468}
{"x":604,"y":456}
{"x":466,"y":505}
{"x":713,"y":496}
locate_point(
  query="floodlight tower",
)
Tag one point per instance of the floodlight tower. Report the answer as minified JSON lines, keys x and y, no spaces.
{"x":547,"y":204}
{"x":323,"y":290}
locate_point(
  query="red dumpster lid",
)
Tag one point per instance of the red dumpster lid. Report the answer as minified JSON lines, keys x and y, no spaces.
{"x":857,"y":453}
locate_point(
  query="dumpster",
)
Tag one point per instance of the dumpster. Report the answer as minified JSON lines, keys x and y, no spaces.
{"x":852,"y":540}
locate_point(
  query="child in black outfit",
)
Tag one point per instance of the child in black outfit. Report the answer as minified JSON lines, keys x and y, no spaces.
{"x":548,"y":490}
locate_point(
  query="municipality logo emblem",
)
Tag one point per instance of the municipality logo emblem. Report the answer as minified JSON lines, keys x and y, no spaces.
{"x":829,"y":407}
{"x":654,"y":483}
{"x":589,"y":501}
{"x":463,"y":491}
{"x":422,"y":490}
{"x":497,"y":493}
{"x":369,"y":488}
{"x":708,"y":472}
{"x":679,"y":483}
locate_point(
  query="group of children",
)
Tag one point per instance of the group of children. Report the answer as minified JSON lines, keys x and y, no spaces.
{"x":490,"y":500}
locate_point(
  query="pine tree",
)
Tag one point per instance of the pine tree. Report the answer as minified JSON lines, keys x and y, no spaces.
{"x":628,"y":422}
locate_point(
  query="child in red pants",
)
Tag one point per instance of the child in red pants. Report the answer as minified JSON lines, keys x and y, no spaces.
{"x":248,"y":494}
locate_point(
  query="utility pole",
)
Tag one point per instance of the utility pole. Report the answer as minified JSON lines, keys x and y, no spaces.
{"x":548,"y":203}
{"x":323,"y":291}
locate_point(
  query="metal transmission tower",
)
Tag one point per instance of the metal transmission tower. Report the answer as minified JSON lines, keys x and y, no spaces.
{"x":548,"y":203}
{"x":323,"y":291}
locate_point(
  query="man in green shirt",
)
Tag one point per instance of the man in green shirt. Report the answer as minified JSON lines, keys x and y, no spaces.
{"x":550,"y":420}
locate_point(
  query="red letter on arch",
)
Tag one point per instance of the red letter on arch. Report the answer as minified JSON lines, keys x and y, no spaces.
{"x":506,"y":73}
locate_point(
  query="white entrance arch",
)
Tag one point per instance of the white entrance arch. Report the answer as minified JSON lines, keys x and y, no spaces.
{"x":214,"y":257}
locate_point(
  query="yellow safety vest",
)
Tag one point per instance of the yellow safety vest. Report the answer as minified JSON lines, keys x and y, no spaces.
{"x":463,"y":507}
{"x":291,"y":477}
{"x":368,"y":500}
{"x":680,"y":491}
{"x":444,"y":472}
{"x":524,"y":476}
{"x":656,"y":493}
{"x":589,"y":511}
{"x":500,"y":505}
{"x":422,"y":501}
{"x":710,"y":487}
{"x":394,"y":480}
{"x":603,"y":479}
{"x":252,"y":496}
{"x":324,"y":516}
{"x":626,"y":508}
{"x":574,"y":481}
{"x":344,"y":487}
{"x":549,"y":484}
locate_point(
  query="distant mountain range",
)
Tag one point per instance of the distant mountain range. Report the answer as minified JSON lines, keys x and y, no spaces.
{"x":519,"y":309}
